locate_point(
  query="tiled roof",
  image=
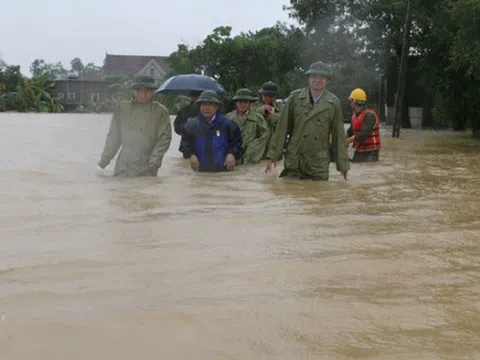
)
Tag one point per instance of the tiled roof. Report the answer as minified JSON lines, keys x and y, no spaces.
{"x":130,"y":64}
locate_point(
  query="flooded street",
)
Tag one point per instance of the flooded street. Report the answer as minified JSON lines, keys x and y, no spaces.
{"x":236,"y":265}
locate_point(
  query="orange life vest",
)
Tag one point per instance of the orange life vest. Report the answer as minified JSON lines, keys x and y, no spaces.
{"x":372,"y":142}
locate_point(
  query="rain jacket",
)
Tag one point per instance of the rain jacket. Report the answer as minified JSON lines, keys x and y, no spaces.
{"x":211,"y":142}
{"x":189,"y":111}
{"x":255,"y":135}
{"x":309,"y":127}
{"x":143,"y":132}
{"x":185,"y":113}
{"x":272,"y":124}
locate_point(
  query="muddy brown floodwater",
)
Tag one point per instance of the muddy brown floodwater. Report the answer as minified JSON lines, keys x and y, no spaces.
{"x":238,"y":265}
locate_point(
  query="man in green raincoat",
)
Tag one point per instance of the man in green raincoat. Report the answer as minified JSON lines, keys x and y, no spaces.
{"x":309,"y":116}
{"x":254,"y":128}
{"x":142,"y":129}
{"x":268,"y":106}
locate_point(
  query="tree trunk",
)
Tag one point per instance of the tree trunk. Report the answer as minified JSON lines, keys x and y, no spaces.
{"x":381,"y":100}
{"x":427,"y":109}
{"x":402,"y":74}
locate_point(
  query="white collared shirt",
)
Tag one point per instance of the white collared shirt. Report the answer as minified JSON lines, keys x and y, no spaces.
{"x":316,"y":100}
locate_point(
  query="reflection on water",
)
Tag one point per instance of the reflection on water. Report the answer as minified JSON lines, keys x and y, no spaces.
{"x":237,"y":265}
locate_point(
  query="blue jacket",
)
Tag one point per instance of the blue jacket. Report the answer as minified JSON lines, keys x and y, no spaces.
{"x":211,"y":142}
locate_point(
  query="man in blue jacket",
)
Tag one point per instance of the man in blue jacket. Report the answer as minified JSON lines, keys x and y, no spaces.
{"x":210,"y":141}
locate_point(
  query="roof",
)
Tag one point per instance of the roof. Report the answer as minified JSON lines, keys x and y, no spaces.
{"x":90,"y":77}
{"x":85,"y":81}
{"x":130,"y":64}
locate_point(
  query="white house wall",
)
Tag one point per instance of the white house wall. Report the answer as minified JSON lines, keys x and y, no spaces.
{"x":153,"y":66}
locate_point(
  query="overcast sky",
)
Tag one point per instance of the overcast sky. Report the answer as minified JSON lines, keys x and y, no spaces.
{"x":59,"y":30}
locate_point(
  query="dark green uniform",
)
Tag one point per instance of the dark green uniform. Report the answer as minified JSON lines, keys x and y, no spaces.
{"x":189,"y":111}
{"x":310,"y":126}
{"x":255,"y":135}
{"x":270,"y":89}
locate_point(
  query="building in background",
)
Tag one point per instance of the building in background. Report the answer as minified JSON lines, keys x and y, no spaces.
{"x":133,"y":65}
{"x":91,"y":91}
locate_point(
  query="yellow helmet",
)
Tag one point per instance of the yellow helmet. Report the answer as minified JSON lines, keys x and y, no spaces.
{"x":358,"y":95}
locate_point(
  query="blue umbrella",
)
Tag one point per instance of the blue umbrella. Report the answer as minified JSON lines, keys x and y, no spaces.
{"x":186,"y":83}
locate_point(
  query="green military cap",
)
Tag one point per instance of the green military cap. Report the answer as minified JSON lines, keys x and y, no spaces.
{"x":144,"y":82}
{"x":209,"y":96}
{"x":269,"y":88}
{"x":244,"y":94}
{"x":319,"y":68}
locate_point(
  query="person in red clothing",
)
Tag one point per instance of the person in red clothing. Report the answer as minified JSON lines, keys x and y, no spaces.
{"x":364,"y":130}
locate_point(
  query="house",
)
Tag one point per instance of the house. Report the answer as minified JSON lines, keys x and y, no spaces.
{"x":82,"y":90}
{"x":133,"y":65}
{"x":93,"y":90}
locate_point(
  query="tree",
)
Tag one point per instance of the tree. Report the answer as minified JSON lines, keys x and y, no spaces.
{"x":38,"y":67}
{"x":246,"y":60}
{"x":444,"y":33}
{"x":91,"y":70}
{"x":54,"y":71}
{"x":77,"y":65}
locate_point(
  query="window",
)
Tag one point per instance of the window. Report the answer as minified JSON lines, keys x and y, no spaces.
{"x":60,"y":95}
{"x":71,"y":96}
{"x":95,"y":97}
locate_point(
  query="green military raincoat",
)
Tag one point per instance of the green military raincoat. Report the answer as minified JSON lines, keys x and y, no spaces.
{"x":143,"y":132}
{"x":272,"y":124}
{"x":255,"y":135}
{"x":309,"y":127}
{"x":258,"y":107}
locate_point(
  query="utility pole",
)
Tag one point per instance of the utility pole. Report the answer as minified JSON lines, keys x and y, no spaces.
{"x":381,"y":99}
{"x":402,"y":74}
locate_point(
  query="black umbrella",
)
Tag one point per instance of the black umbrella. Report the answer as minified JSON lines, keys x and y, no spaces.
{"x":185,"y":84}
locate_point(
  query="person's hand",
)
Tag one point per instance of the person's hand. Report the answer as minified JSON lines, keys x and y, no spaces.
{"x":270,"y":165}
{"x":344,"y":174}
{"x":230,"y":162}
{"x":350,"y":140}
{"x":270,"y":109}
{"x":194,"y":164}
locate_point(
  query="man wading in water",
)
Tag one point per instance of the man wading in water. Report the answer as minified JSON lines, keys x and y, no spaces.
{"x":254,"y":128}
{"x":268,"y":107}
{"x":141,"y":127}
{"x":211,"y":142}
{"x":310,"y":115}
{"x":364,"y":131}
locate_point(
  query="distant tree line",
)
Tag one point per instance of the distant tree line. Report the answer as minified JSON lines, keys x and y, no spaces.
{"x":37,"y":93}
{"x":358,"y":38}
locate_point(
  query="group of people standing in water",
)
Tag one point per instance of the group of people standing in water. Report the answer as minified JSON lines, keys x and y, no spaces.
{"x":307,"y":131}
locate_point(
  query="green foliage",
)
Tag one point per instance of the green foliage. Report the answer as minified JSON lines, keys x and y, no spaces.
{"x":281,"y":54}
{"x":77,"y":65}
{"x":246,"y":60}
{"x":444,"y":34}
{"x":53,"y":71}
{"x":358,"y":38}
{"x":20,"y":94}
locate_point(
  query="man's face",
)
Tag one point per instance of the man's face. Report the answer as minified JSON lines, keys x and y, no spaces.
{"x":352,"y":104}
{"x":143,"y":95}
{"x":242,"y":105}
{"x":268,"y":99}
{"x":208,"y":109}
{"x":318,"y":82}
{"x":357,"y":108}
